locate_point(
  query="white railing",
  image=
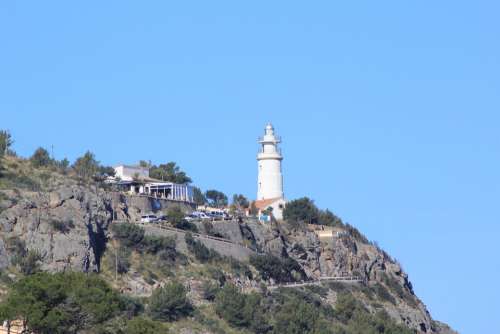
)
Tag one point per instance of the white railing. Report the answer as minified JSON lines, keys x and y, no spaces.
{"x":318,"y":281}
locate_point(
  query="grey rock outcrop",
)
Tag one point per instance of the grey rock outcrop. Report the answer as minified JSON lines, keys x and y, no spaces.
{"x":69,"y":228}
{"x":66,"y":227}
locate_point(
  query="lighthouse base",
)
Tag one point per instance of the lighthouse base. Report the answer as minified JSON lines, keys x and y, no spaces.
{"x":270,"y":207}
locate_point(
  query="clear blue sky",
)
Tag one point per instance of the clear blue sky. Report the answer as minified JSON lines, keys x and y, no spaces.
{"x":389,"y":112}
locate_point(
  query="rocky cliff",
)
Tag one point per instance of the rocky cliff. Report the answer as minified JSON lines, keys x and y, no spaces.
{"x":68,"y":225}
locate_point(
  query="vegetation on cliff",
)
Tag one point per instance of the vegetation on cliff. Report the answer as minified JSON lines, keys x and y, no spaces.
{"x":154,"y":283}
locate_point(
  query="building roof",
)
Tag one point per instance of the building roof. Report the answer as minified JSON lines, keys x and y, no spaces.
{"x":263,"y":204}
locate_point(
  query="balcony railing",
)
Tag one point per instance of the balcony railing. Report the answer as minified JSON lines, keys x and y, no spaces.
{"x":277,"y":139}
{"x":278,"y":150}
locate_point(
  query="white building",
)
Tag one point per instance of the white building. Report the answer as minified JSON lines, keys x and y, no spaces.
{"x":136,"y":181}
{"x":130,"y":173}
{"x":270,"y":179}
{"x":171,"y":191}
{"x":275,"y":205}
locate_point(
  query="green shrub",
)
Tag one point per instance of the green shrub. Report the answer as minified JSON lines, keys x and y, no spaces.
{"x":301,"y":210}
{"x":169,"y":172}
{"x":175,"y":215}
{"x":86,"y":166}
{"x":298,"y":317}
{"x":5,"y":279}
{"x":326,"y":217}
{"x":61,"y":303}
{"x":5,"y":142}
{"x":23,"y":181}
{"x":345,"y":306}
{"x":319,"y":290}
{"x":281,"y":270}
{"x":394,"y":286}
{"x":61,"y":226}
{"x":169,"y":303}
{"x":239,"y":310}
{"x":354,"y":232}
{"x":141,"y":325}
{"x":239,"y":268}
{"x":130,"y":234}
{"x":119,"y":260}
{"x":40,"y":158}
{"x":17,"y":248}
{"x":153,"y":244}
{"x":210,"y":290}
{"x":186,"y":226}
{"x":217,"y":274}
{"x":30,"y":263}
{"x":383,"y":293}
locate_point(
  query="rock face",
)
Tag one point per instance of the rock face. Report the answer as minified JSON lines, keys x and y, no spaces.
{"x":69,"y":229}
{"x":351,"y":255}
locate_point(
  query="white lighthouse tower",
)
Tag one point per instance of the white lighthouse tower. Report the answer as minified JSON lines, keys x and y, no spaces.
{"x":270,"y":179}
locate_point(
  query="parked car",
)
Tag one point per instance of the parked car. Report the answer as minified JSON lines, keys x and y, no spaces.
{"x":149,"y":219}
{"x":162,"y":218}
{"x":217,"y":215}
{"x":195,"y":215}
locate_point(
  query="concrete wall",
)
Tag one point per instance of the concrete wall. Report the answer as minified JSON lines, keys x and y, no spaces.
{"x":224,"y":248}
{"x":139,"y":205}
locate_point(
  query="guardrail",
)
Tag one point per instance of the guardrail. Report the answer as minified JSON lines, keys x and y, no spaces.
{"x":316,"y":282}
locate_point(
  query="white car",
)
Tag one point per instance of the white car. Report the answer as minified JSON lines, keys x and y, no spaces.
{"x":197,"y":215}
{"x":148,"y":218}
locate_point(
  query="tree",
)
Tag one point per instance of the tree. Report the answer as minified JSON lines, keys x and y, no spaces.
{"x":145,"y":164}
{"x":86,"y":166}
{"x":61,"y":303}
{"x":326,"y":217}
{"x":301,"y":210}
{"x":130,"y":234}
{"x":229,"y":305}
{"x":175,"y":215}
{"x":169,"y":303}
{"x":40,"y":158}
{"x":216,"y":198}
{"x":281,"y":270}
{"x":240,"y":201}
{"x":240,"y":310}
{"x":297,"y":317}
{"x":5,"y":142}
{"x":107,"y":171}
{"x":169,"y":172}
{"x":199,"y":198}
{"x":63,"y":165}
